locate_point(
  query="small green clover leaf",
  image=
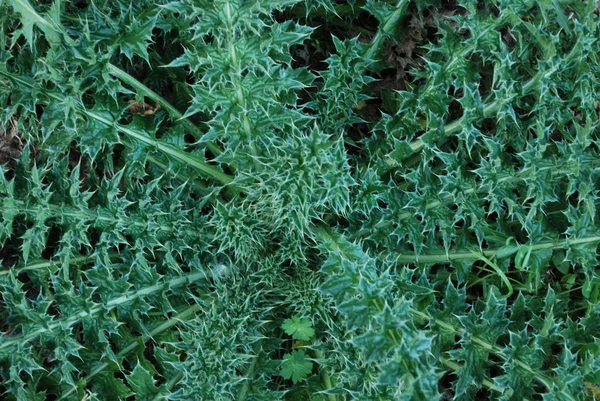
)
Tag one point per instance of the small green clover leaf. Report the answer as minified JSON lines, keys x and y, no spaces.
{"x":299,"y":329}
{"x":296,"y":366}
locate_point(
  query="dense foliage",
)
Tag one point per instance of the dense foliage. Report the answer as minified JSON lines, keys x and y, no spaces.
{"x":318,"y":200}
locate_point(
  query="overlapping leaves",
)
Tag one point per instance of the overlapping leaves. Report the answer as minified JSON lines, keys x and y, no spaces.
{"x":450,"y":247}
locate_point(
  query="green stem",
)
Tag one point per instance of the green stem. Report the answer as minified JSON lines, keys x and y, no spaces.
{"x":465,"y":254}
{"x":49,"y":28}
{"x":488,"y":111}
{"x":104,"y":308}
{"x":192,"y":310}
{"x":444,"y":361}
{"x":449,"y":129}
{"x":489,"y":384}
{"x":325,"y":377}
{"x":199,"y":185}
{"x":26,"y":9}
{"x":326,"y":236}
{"x":45,"y":265}
{"x":243,"y":393}
{"x":176,"y":114}
{"x":386,"y":29}
{"x":521,"y":175}
{"x":166,"y":149}
{"x":236,"y":78}
{"x":175,"y":153}
{"x":87,"y":215}
{"x":542,"y":378}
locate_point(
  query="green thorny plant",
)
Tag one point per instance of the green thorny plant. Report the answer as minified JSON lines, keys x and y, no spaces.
{"x":259,"y":237}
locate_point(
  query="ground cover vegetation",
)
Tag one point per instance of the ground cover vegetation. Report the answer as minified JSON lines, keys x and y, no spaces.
{"x":299,"y":200}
